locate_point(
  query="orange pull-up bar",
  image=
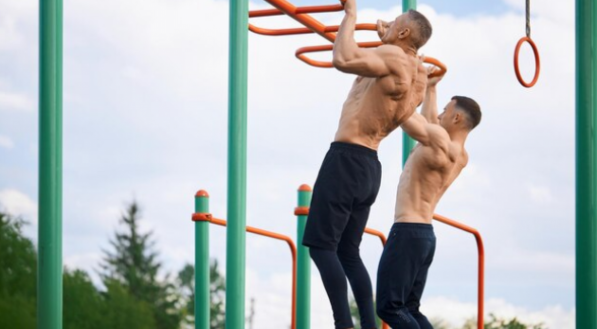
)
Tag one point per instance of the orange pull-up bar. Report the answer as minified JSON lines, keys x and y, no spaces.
{"x":209,"y":218}
{"x":301,"y":15}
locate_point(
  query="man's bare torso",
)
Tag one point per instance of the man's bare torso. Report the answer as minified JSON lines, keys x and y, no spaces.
{"x":428,"y":173}
{"x":377,"y":106}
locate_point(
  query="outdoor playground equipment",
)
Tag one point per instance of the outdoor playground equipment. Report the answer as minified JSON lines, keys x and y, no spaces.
{"x":301,"y":262}
{"x":50,"y":167}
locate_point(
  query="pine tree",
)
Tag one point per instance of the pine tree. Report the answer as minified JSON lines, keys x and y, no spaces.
{"x":134,"y":265}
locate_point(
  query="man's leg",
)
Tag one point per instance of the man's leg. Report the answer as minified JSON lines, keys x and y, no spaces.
{"x":348,"y":253}
{"x":414,"y":299}
{"x":404,"y":255}
{"x":334,"y":281}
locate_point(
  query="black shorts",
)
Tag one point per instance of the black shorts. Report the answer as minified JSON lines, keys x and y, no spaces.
{"x":345,"y":189}
{"x":402,"y":271}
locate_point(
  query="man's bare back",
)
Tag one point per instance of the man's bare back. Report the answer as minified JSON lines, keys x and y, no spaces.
{"x":390,"y":84}
{"x":437,"y":160}
{"x":376,"y":106}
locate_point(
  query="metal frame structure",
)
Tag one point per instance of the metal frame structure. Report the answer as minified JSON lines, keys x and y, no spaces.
{"x":50,"y":164}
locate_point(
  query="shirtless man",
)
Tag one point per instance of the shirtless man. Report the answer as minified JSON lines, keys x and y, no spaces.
{"x":390,"y":85}
{"x":431,"y":168}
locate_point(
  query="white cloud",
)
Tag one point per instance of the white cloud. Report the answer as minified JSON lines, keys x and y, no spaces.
{"x":13,"y":101}
{"x":6,"y":142}
{"x":17,"y":203}
{"x":540,"y":194}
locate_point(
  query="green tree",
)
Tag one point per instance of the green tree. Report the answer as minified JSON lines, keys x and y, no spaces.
{"x":18,"y":271}
{"x":134,"y":265}
{"x":124,"y":311}
{"x":217,"y":289}
{"x":84,"y":305}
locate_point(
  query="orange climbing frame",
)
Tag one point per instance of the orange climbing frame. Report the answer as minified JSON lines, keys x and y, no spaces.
{"x":273,"y":235}
{"x":301,"y":15}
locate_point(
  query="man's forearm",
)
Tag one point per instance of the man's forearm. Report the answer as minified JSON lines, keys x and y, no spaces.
{"x":345,"y":47}
{"x":429,"y":110}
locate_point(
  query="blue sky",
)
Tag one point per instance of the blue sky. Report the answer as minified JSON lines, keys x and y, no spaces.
{"x":145,"y":108}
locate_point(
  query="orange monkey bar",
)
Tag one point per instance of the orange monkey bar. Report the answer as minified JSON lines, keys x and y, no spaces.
{"x":481,"y":265}
{"x":301,"y":15}
{"x":273,"y":235}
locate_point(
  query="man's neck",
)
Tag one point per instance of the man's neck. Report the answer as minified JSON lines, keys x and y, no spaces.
{"x":408,"y":49}
{"x":458,"y":136}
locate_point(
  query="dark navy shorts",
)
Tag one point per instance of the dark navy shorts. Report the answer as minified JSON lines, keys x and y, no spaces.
{"x":402,"y":274}
{"x":344,"y":191}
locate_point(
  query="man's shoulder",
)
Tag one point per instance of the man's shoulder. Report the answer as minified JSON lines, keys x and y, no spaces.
{"x":390,"y":50}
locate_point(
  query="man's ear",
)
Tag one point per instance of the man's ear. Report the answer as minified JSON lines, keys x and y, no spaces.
{"x":404,"y":33}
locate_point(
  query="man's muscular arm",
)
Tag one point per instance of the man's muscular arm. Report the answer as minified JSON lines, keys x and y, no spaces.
{"x":426,"y":133}
{"x":429,"y":110}
{"x":350,"y":58}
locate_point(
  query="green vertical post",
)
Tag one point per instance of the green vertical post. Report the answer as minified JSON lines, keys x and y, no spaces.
{"x":237,"y":164}
{"x":202,"y":262}
{"x":49,"y":271}
{"x":586,"y":164}
{"x":303,"y":280}
{"x":407,"y":142}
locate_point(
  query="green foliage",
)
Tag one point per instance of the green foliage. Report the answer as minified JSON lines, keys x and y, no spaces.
{"x":84,"y":306}
{"x":122,"y":310}
{"x":186,"y":282}
{"x":18,"y":276}
{"x":134,"y":265}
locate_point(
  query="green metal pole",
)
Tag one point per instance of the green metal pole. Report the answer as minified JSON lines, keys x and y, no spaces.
{"x":586,"y":165}
{"x":237,"y":164}
{"x":49,"y":271}
{"x":407,"y":143}
{"x":202,"y":262}
{"x":303,"y":281}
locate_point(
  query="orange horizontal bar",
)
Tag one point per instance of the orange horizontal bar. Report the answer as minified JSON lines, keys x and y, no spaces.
{"x":276,"y":236}
{"x":303,"y":18}
{"x":304,"y":30}
{"x":298,"y":10}
{"x":300,"y":53}
{"x":481,"y":268}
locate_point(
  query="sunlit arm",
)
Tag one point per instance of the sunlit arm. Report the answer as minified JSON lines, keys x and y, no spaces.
{"x":350,"y":58}
{"x":424,"y":132}
{"x":429,"y":109}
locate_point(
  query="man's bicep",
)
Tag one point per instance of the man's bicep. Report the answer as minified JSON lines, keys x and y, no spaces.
{"x":416,"y":128}
{"x":365,"y":62}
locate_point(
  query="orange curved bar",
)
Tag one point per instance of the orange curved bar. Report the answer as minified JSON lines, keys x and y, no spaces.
{"x":304,"y":30}
{"x":442,"y":67}
{"x":376,"y":233}
{"x":481,"y":269}
{"x":277,"y":236}
{"x":300,"y":53}
{"x":304,"y":18}
{"x":298,"y":10}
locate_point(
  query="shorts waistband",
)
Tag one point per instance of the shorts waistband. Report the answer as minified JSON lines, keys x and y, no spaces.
{"x":354,"y":148}
{"x":413,"y":226}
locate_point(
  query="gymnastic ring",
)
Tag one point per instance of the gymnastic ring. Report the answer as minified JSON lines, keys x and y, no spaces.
{"x":537,"y":62}
{"x":441,"y":66}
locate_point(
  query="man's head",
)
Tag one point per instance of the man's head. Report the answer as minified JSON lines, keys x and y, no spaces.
{"x":411,"y":28}
{"x":461,"y":113}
